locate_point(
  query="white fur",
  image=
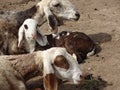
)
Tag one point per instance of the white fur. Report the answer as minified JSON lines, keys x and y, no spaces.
{"x":67,"y":10}
{"x":91,"y":53}
{"x":31,"y":35}
{"x":72,"y":74}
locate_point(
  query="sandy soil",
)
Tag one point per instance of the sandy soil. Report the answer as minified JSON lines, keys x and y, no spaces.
{"x":100,"y":19}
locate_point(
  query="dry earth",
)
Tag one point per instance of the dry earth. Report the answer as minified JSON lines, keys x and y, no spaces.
{"x":100,"y":19}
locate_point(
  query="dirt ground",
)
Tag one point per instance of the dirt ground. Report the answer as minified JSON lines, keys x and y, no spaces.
{"x":100,"y":19}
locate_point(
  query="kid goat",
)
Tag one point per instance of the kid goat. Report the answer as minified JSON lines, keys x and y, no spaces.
{"x":77,"y":44}
{"x":53,"y":64}
{"x":29,"y":32}
{"x":52,"y":11}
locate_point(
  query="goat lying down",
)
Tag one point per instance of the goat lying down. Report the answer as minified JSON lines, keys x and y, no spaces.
{"x":29,"y":33}
{"x":77,"y":43}
{"x":55,"y":63}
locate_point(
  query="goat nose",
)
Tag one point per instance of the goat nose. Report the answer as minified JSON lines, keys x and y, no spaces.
{"x":81,"y":76}
{"x":33,"y":36}
{"x":77,"y":16}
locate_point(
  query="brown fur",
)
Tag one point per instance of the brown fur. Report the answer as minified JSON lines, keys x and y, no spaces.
{"x":50,"y":82}
{"x":11,"y":86}
{"x":60,"y":61}
{"x":77,"y":43}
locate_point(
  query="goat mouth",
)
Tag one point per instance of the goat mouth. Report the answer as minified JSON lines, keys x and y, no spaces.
{"x":60,"y":19}
{"x":76,"y":19}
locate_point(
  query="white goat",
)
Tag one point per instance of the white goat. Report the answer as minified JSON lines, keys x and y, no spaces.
{"x":29,"y":30}
{"x":59,"y":64}
{"x":56,"y":11}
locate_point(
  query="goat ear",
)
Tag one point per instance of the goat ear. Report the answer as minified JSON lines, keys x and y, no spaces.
{"x":52,"y":21}
{"x":50,"y":81}
{"x":20,"y":35}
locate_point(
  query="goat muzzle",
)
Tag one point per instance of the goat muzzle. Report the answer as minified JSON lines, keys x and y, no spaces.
{"x":77,"y":16}
{"x":34,"y":36}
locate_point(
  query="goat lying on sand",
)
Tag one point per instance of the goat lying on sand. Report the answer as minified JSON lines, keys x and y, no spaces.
{"x":76,"y":43}
{"x":52,"y":11}
{"x":54,"y":63}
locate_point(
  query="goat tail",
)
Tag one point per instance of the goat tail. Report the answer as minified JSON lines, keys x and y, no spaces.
{"x":92,"y":52}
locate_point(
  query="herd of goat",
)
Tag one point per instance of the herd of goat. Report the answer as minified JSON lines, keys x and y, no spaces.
{"x":26,"y":52}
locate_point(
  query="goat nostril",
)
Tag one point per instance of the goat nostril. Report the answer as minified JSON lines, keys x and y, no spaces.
{"x":77,"y":15}
{"x":81,"y":76}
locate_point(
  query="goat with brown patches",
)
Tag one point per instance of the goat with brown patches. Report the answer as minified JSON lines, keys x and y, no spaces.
{"x":46,"y":63}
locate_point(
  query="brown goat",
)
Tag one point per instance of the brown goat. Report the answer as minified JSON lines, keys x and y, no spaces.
{"x":77,"y":43}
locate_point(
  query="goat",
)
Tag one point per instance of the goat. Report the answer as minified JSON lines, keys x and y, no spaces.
{"x":77,"y":44}
{"x":52,"y":11}
{"x":51,"y":64}
{"x":29,"y":32}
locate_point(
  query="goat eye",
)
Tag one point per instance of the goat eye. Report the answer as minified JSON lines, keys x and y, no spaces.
{"x":57,"y":5}
{"x":26,"y":27}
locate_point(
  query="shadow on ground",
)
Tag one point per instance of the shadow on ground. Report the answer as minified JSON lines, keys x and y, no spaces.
{"x":100,"y":37}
